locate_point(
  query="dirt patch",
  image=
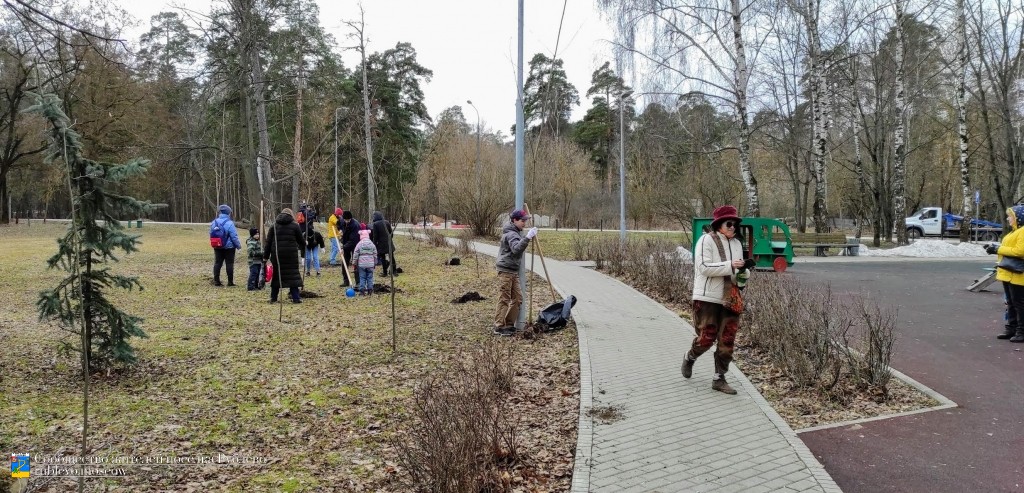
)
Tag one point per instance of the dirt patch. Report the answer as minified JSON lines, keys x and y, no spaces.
{"x":606,"y":414}
{"x":470,"y":296}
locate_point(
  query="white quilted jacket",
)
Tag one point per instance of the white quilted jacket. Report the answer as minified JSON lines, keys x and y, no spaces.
{"x":710,"y":269}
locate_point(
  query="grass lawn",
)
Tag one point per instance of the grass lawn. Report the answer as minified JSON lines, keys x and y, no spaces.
{"x":312,"y":392}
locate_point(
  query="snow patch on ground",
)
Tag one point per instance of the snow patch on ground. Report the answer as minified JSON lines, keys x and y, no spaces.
{"x":927,"y":248}
{"x":920,"y":248}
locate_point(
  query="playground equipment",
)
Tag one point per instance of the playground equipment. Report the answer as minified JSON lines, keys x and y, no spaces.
{"x":767,"y":241}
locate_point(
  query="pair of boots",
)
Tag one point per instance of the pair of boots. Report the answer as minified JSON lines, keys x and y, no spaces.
{"x":718,"y":383}
{"x":1012,"y":333}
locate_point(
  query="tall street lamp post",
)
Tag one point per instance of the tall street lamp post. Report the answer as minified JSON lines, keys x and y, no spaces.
{"x":476,"y":169}
{"x":622,"y":165}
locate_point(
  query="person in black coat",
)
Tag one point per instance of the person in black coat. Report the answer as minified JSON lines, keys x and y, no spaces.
{"x":284,"y":246}
{"x":348,"y":230}
{"x":381,"y":234}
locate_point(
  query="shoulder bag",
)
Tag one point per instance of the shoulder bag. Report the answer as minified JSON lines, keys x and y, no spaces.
{"x":732,"y":299}
{"x":1012,"y":264}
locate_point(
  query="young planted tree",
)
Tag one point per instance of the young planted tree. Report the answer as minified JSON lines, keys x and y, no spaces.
{"x":79,"y":302}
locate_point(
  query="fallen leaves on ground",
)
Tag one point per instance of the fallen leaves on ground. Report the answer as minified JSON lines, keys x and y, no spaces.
{"x":311,"y":392}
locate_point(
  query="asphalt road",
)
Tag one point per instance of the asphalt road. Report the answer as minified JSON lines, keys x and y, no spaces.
{"x":948,"y":343}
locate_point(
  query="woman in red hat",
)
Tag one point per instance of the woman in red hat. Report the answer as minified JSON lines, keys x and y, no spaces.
{"x":716,"y":260}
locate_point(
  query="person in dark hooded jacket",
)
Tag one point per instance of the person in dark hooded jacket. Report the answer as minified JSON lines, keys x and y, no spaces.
{"x":284,"y":246}
{"x":348,"y":230}
{"x":510,"y":254}
{"x":381,"y":233}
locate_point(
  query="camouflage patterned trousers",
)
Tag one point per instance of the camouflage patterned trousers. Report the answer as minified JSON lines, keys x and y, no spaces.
{"x":713,"y":322}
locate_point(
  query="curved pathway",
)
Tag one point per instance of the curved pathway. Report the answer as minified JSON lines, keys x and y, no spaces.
{"x":666,"y":433}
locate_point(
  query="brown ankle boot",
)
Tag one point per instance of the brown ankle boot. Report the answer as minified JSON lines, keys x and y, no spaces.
{"x":722,"y":386}
{"x":688,"y":366}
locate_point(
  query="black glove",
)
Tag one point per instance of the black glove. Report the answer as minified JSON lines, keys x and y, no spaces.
{"x":749,"y":263}
{"x":991,"y":249}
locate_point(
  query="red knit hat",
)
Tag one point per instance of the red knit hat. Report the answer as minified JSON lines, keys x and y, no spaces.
{"x":723,"y":213}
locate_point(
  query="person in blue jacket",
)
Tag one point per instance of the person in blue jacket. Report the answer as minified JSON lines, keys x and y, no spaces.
{"x":225,"y":254}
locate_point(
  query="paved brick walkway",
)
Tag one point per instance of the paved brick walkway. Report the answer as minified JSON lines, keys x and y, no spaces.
{"x":674,"y":435}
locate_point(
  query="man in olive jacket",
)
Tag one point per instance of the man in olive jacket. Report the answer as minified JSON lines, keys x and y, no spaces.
{"x":284,"y":247}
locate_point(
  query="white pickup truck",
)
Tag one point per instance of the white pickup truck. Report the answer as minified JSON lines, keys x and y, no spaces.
{"x":932,"y":221}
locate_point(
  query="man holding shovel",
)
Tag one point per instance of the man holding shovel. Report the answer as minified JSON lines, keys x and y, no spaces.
{"x":510,"y":254}
{"x":348,"y":229}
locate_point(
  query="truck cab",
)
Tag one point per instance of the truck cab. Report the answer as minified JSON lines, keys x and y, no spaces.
{"x":933,"y":221}
{"x":925,"y":222}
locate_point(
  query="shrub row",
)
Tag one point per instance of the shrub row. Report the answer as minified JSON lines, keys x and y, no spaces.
{"x":818,"y":338}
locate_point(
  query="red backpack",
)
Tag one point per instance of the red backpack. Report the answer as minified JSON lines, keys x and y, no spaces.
{"x":219,"y":234}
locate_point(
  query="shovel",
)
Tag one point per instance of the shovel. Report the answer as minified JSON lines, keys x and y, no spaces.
{"x":540,"y":251}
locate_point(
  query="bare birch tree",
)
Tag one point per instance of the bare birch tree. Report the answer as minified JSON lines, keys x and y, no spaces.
{"x":999,"y":41}
{"x":899,"y":189}
{"x":359,"y":32}
{"x":702,"y":47}
{"x":960,"y":67}
{"x":297,"y":146}
{"x":810,"y":14}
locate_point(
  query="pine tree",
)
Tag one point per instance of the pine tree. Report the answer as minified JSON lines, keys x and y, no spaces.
{"x":78,"y":302}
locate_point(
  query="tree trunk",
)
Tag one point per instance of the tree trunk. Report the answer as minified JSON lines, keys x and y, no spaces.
{"x":245,"y":11}
{"x":819,"y":137}
{"x":251,"y":173}
{"x":961,"y":118}
{"x":899,"y":138}
{"x":371,"y":186}
{"x":263,"y":170}
{"x":297,"y":147}
{"x":858,"y":160}
{"x":742,"y":76}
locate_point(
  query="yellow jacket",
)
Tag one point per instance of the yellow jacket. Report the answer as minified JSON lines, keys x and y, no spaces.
{"x":1013,"y":246}
{"x":332,"y":227}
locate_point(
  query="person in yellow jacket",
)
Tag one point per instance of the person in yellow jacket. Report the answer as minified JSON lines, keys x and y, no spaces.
{"x":332,"y":235}
{"x":1013,"y":282}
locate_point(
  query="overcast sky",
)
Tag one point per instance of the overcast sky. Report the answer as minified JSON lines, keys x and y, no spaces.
{"x":469,"y":44}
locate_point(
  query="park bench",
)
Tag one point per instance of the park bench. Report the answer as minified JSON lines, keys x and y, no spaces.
{"x":821,"y":242}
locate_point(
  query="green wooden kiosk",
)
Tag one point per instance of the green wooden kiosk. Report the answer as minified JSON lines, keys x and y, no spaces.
{"x":765,"y":240}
